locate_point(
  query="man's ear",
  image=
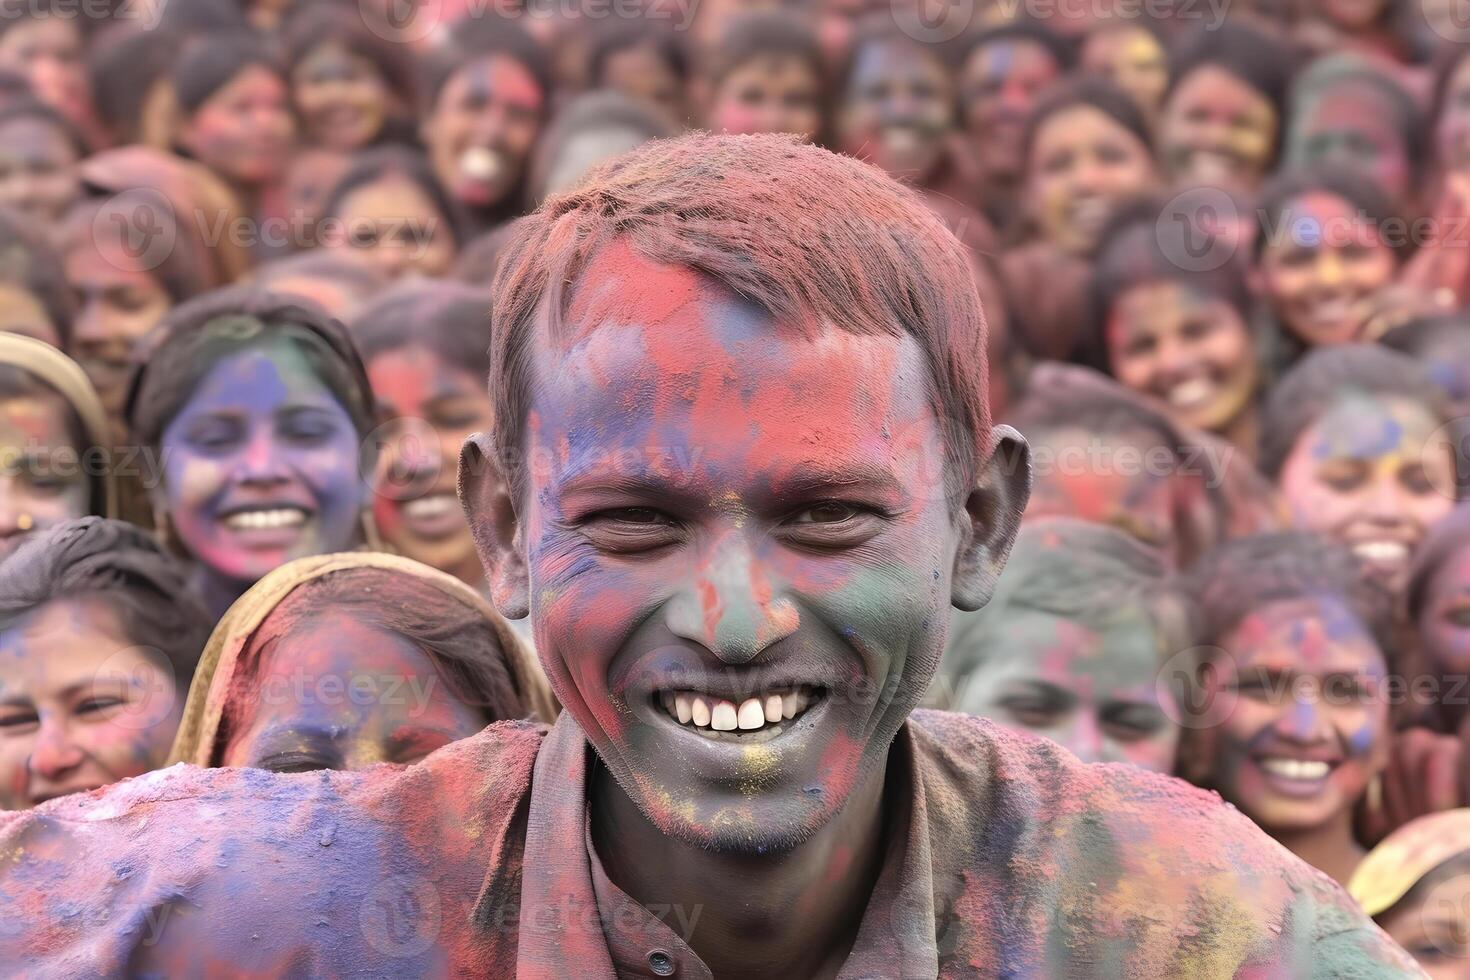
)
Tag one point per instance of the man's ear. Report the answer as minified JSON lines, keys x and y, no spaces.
{"x":992,"y":516}
{"x":490,"y":507}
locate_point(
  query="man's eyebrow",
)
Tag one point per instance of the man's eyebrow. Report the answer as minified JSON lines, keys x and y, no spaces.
{"x":809,"y":483}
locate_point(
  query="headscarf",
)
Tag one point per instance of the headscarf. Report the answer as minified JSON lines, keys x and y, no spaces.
{"x":199,"y":728}
{"x":1408,"y":855}
{"x":60,"y":372}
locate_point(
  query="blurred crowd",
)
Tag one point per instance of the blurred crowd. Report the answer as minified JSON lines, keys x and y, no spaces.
{"x":1223,"y":250}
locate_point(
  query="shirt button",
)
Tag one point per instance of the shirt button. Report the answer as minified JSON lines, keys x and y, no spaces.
{"x":661,"y":963}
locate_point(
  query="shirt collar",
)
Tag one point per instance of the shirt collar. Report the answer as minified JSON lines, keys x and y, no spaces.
{"x":575,"y":922}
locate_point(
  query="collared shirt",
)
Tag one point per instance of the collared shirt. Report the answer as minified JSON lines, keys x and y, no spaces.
{"x":1018,"y":861}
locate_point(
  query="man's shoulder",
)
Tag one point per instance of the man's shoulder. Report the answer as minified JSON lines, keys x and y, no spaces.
{"x":246,"y":863}
{"x":1121,"y":864}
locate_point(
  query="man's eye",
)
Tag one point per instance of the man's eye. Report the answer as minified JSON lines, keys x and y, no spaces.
{"x":827,"y":512}
{"x":1128,"y":723}
{"x":1032,"y":712}
{"x":630,"y":530}
{"x":635,"y":515}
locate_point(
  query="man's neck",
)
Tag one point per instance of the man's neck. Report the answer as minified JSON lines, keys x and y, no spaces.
{"x":793,"y":913}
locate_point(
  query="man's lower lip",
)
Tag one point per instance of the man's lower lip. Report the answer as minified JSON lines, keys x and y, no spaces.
{"x":721,"y":745}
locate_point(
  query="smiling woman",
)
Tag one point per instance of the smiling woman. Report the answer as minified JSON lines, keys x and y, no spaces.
{"x":259,"y":409}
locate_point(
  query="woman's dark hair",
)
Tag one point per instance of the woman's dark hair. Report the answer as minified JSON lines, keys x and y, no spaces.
{"x":1023,"y":29}
{"x":1325,"y":375}
{"x":1093,"y":93}
{"x":874,"y":30}
{"x":33,"y":109}
{"x":631,"y":35}
{"x":1446,"y":64}
{"x":457,"y":639}
{"x":193,"y":17}
{"x":764,"y":34}
{"x":28,"y":261}
{"x":1257,"y":59}
{"x":122,"y":71}
{"x":139,"y":218}
{"x":97,"y":560}
{"x":1441,"y":342}
{"x":450,"y":319}
{"x":1448,"y":537}
{"x":1348,"y":69}
{"x":1238,"y":577}
{"x":1139,"y":247}
{"x":393,"y":160}
{"x":473,"y":39}
{"x":1368,"y":200}
{"x":347,"y":271}
{"x":210,"y":62}
{"x":177,"y":354}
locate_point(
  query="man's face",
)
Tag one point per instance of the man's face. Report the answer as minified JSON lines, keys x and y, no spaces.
{"x":728,"y":523}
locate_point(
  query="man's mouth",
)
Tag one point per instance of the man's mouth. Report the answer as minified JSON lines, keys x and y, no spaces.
{"x":756,"y":718}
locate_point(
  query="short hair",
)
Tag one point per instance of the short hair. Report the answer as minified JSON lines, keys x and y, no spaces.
{"x":473,"y":39}
{"x":810,"y":236}
{"x":1254,"y":57}
{"x":1335,"y":70}
{"x":449,"y":319}
{"x":771,"y":33}
{"x":174,"y":358}
{"x":211,"y":61}
{"x":1326,"y":374}
{"x":392,"y":160}
{"x":1093,"y":93}
{"x":29,"y":261}
{"x":1239,"y":577}
{"x":456,"y":638}
{"x":120,"y":565}
{"x":1080,"y":571}
{"x":1136,"y":248}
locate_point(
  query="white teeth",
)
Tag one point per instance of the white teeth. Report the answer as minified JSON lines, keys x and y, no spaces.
{"x":749,"y":715}
{"x":773,"y":708}
{"x":261,"y":519}
{"x":481,"y":163}
{"x":1190,"y":393}
{"x":900,"y":139}
{"x":434,"y":505}
{"x":723,"y":719}
{"x":1296,"y":768}
{"x":1384,"y":551}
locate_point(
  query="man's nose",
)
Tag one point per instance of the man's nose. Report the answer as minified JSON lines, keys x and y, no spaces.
{"x":732,"y":605}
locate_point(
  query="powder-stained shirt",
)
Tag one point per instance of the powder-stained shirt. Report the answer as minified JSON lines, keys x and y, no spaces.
{"x":1007,"y":858}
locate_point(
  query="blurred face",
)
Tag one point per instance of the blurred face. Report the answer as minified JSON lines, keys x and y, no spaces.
{"x":1000,"y":84}
{"x":1431,"y":922}
{"x":435,"y":407}
{"x":1083,"y":165}
{"x":42,"y":481}
{"x":769,"y":94}
{"x":641,"y":73}
{"x":117,"y":303}
{"x":48,"y":51}
{"x":1321,"y":268}
{"x":1352,"y":15}
{"x":1350,"y":126}
{"x":81,"y":705}
{"x":38,"y":170}
{"x":243,"y":132}
{"x":741,"y":622}
{"x":310,"y":178}
{"x":1444,"y":620}
{"x":1094,"y":693}
{"x":1216,"y":129}
{"x":261,"y":466}
{"x":585,"y":150}
{"x":1368,"y":474}
{"x":1308,"y":725}
{"x":482,"y":128}
{"x":897,"y":110}
{"x":397,"y":228}
{"x":1452,"y":131}
{"x":336,"y":693}
{"x":1132,"y":59}
{"x":1191,"y":351}
{"x":22,"y":312}
{"x":341,"y":98}
{"x":1108,"y":480}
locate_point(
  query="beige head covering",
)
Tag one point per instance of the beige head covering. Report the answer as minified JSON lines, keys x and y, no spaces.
{"x":66,"y":376}
{"x":1405,"y":856}
{"x":209,"y":692}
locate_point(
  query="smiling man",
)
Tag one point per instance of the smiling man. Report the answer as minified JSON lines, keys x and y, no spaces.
{"x":740,"y":473}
